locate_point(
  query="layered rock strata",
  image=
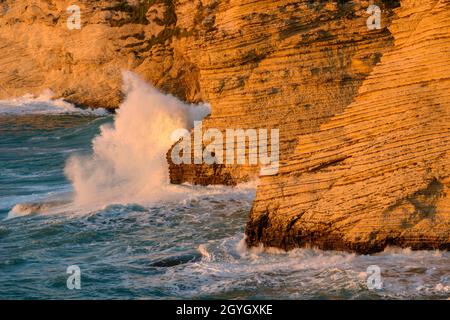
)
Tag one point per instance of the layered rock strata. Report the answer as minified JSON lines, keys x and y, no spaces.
{"x":42,"y":48}
{"x":376,"y":174}
{"x":285,"y":64}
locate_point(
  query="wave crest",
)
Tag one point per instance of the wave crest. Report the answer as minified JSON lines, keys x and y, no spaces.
{"x":128,"y":164}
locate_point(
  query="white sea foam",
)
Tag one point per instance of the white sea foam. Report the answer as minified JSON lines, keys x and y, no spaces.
{"x":47,"y":207}
{"x":128,"y":164}
{"x":44,"y":104}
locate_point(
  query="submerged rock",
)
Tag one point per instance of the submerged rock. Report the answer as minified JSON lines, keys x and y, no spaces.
{"x":177,"y":260}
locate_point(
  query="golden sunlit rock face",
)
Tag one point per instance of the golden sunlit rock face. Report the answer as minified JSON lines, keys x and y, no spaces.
{"x":38,"y":50}
{"x":363,"y":114}
{"x":376,"y":174}
{"x":289,"y":65}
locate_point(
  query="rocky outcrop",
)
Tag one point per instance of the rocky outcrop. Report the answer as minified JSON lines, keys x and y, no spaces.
{"x":286,"y":64}
{"x":39,"y":50}
{"x":376,"y":174}
{"x":362,"y":114}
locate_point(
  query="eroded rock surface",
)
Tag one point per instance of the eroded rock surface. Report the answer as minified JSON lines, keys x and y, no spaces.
{"x":39,"y":51}
{"x":289,"y":65}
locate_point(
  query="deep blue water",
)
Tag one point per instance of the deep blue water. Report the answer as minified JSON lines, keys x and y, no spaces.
{"x":188,"y":248}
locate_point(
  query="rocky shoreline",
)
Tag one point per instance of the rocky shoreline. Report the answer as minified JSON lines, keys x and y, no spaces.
{"x":363,"y":114}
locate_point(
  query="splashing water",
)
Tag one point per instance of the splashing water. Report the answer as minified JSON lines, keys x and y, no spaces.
{"x":129,"y":163}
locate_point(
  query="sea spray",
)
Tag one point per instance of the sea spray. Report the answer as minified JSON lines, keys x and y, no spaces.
{"x":128,"y":163}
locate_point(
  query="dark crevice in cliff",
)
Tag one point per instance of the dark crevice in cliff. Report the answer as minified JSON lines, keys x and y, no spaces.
{"x":329,"y":164}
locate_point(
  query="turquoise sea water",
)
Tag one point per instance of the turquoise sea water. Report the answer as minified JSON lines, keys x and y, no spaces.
{"x":188,"y":247}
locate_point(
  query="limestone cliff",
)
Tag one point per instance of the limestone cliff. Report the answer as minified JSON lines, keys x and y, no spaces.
{"x":363,"y":114}
{"x":39,"y":50}
{"x":376,"y":174}
{"x":286,"y":64}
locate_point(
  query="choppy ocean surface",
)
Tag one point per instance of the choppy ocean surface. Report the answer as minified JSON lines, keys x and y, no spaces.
{"x":186,"y":246}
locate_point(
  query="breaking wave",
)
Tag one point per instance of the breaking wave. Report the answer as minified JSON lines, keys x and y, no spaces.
{"x":128,"y":163}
